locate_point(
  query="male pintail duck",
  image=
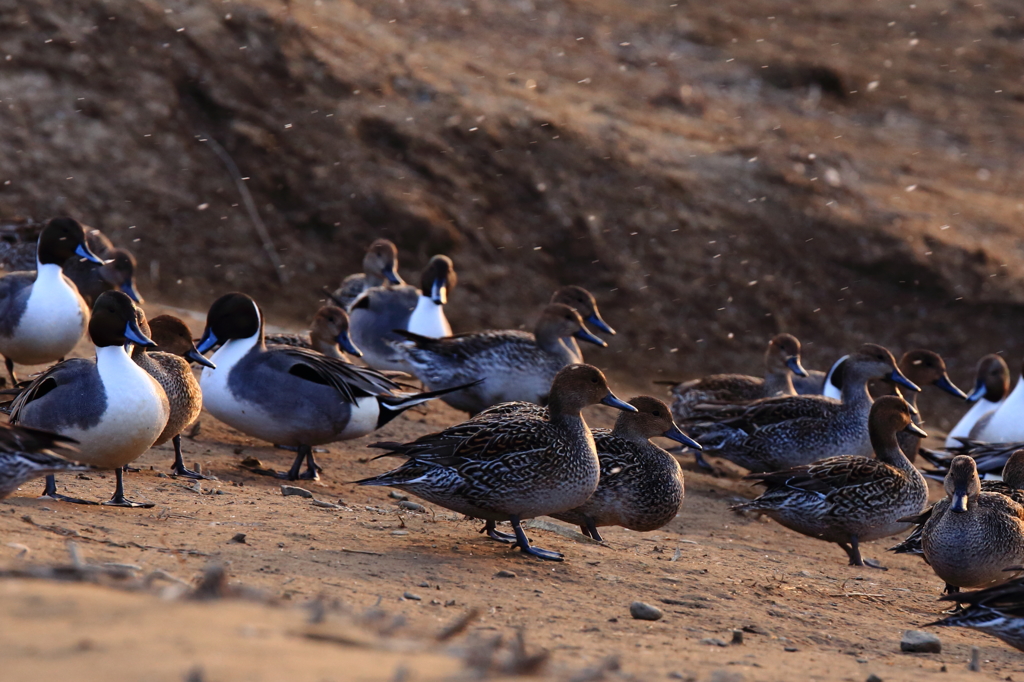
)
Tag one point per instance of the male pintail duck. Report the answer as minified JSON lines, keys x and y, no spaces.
{"x":779,"y":433}
{"x":516,"y":467}
{"x":585,"y":304}
{"x":289,"y":395}
{"x":42,"y":315}
{"x":380,"y":265}
{"x":991,"y":387}
{"x":379,"y":313}
{"x":924,"y":368}
{"x":1011,"y":485}
{"x":641,"y":485}
{"x":328,"y":334}
{"x":973,"y":535}
{"x":27,"y":453}
{"x":168,"y":363}
{"x":510,"y":365}
{"x":1004,"y":424}
{"x":997,"y":611}
{"x":110,"y":406}
{"x":821,"y":383}
{"x":850,"y":499}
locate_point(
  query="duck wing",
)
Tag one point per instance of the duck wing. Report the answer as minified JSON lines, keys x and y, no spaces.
{"x":47,"y":381}
{"x":351,"y":381}
{"x":28,"y":440}
{"x":829,"y":477}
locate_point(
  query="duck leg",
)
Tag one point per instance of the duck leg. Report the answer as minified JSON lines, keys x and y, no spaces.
{"x":293,"y":473}
{"x":491,"y":528}
{"x":305,"y":454}
{"x":853,"y":551}
{"x":119,"y":500}
{"x":524,"y":543}
{"x":179,"y":468}
{"x":591,"y":529}
{"x":10,"y":370}
{"x":50,"y":493}
{"x":313,"y":469}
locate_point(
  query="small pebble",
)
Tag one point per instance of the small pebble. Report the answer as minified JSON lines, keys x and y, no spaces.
{"x":238,"y":539}
{"x":424,"y":584}
{"x":644,"y":611}
{"x":975,"y":664}
{"x":287,"y":490}
{"x":161,"y":474}
{"x":326,"y":505}
{"x":397,"y":496}
{"x":505,"y":574}
{"x":413,"y":597}
{"x":411,"y":506}
{"x":713,"y":641}
{"x":737,"y":637}
{"x":918,"y":642}
{"x":874,"y":678}
{"x":791,"y":649}
{"x":399,"y":532}
{"x":252,"y":463}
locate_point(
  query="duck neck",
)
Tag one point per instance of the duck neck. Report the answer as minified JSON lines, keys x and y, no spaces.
{"x":887,"y":449}
{"x":855,"y":388}
{"x":236,"y":349}
{"x":49,"y":276}
{"x":779,"y":382}
{"x":628,"y":433}
{"x":111,"y":359}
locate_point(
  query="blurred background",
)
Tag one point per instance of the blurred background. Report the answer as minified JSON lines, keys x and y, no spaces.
{"x":714,"y":173}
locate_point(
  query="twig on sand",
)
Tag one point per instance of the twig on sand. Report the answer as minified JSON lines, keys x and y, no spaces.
{"x":360,"y":551}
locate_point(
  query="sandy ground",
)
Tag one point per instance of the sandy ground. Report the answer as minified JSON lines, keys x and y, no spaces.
{"x":806,"y":614}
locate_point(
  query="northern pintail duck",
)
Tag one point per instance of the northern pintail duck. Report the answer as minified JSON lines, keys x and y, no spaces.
{"x":1011,"y":485}
{"x":996,"y":611}
{"x":380,"y":266}
{"x":991,"y":386}
{"x":289,"y":395}
{"x":42,"y":315}
{"x":641,"y":486}
{"x":781,"y":362}
{"x":585,"y":304}
{"x":328,"y":335}
{"x":27,"y":453}
{"x":379,"y":313}
{"x":779,"y":433}
{"x":850,"y":499}
{"x":168,"y":363}
{"x":510,"y":364}
{"x":111,"y":406}
{"x":971,"y":535}
{"x":1005,"y":424}
{"x":516,"y":467}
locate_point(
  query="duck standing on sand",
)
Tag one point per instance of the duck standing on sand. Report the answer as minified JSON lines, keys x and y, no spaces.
{"x":509,"y":365}
{"x":110,"y":406}
{"x":991,"y":386}
{"x":513,"y":468}
{"x":168,"y":363}
{"x":381,"y":312}
{"x":27,"y":453}
{"x":42,"y":315}
{"x":850,"y":499}
{"x":328,"y":335}
{"x":380,"y":267}
{"x":289,"y":395}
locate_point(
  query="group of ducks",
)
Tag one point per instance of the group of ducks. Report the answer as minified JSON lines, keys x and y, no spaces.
{"x":525,"y":451}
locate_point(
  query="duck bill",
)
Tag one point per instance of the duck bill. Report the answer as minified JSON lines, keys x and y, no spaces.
{"x":794,"y":366}
{"x":978,"y":392}
{"x":208,"y":341}
{"x":595,"y":319}
{"x":959,"y":501}
{"x":897,"y":377}
{"x":195,"y":356}
{"x":948,"y":386}
{"x":82,"y":251}
{"x":128,"y":287}
{"x":677,"y":435}
{"x":345,"y":341}
{"x":916,"y":430}
{"x":611,"y":401}
{"x":439,"y":292}
{"x":136,"y":335}
{"x":584,"y":335}
{"x":390,"y":275}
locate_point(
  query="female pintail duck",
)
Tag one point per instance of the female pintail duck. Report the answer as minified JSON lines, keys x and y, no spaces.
{"x":513,"y":468}
{"x":328,"y":335}
{"x":168,"y":363}
{"x":42,"y":315}
{"x":510,"y":365}
{"x":585,"y":304}
{"x":990,"y":389}
{"x":1004,"y":424}
{"x":850,"y":499}
{"x":779,"y":433}
{"x":997,"y":611}
{"x":641,"y":485}
{"x":380,"y":265}
{"x":821,"y":383}
{"x":110,"y":406}
{"x":972,"y":535}
{"x":1011,"y":485}
{"x":27,"y":453}
{"x":289,"y":395}
{"x":924,"y":368}
{"x":380,"y":312}
{"x":781,"y":362}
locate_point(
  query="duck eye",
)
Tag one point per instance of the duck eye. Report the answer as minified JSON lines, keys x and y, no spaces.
{"x":656,"y":413}
{"x":594,"y":380}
